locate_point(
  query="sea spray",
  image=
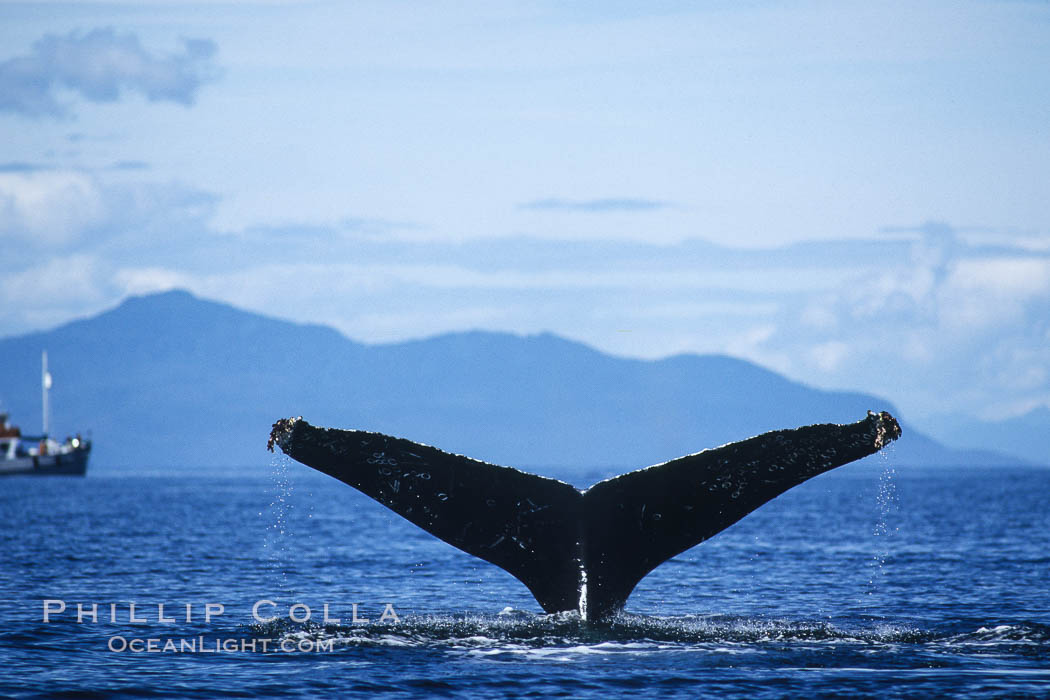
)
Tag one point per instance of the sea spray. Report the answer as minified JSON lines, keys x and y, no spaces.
{"x":278,"y":537}
{"x":888,"y":505}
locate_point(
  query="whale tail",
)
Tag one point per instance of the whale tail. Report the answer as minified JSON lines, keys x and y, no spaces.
{"x":579,"y":550}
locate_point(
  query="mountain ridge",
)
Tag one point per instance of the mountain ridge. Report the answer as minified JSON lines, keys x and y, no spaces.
{"x":170,"y":380}
{"x":1022,"y":436}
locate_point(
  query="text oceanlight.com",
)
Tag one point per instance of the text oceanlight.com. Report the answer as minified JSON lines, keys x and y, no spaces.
{"x":262,"y":612}
{"x":204,"y":645}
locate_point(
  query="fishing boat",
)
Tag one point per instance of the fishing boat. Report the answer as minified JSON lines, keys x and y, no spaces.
{"x":41,"y":454}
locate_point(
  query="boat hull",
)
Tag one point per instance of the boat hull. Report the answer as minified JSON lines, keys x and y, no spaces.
{"x":68,"y":464}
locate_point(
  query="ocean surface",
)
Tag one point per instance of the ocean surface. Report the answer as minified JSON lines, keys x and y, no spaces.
{"x":873,"y":580}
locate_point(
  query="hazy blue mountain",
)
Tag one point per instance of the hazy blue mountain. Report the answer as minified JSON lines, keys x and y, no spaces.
{"x":170,"y":380}
{"x":1024,"y":436}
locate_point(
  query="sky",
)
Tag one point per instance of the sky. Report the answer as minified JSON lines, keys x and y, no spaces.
{"x":855,"y":194}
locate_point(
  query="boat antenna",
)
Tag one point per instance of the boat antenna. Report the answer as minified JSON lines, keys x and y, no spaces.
{"x":45,"y":382}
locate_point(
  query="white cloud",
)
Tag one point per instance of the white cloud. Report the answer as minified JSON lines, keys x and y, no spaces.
{"x":146,"y":280}
{"x":56,"y":212}
{"x":100,"y":66}
{"x":829,"y":356}
{"x":58,"y":280}
{"x":953,"y":329}
{"x":52,"y":292}
{"x":48,"y":208}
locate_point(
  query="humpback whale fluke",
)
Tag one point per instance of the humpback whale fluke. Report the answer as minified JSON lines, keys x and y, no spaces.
{"x":579,"y":550}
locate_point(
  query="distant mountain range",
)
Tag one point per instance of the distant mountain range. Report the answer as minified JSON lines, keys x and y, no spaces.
{"x":1025,"y":436}
{"x":172,"y":381}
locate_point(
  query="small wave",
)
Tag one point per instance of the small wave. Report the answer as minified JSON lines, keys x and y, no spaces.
{"x":516,"y":631}
{"x":1019,"y":633}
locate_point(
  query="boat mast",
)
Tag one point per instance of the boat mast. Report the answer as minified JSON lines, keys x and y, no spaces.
{"x":45,"y":382}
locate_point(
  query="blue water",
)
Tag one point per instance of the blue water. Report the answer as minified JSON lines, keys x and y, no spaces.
{"x":872,"y":580}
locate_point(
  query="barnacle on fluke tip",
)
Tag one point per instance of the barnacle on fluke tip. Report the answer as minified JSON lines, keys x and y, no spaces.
{"x":280,"y":432}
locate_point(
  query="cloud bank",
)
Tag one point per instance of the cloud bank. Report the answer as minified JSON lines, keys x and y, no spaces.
{"x":100,"y":66}
{"x":930,"y":319}
{"x":957,"y":327}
